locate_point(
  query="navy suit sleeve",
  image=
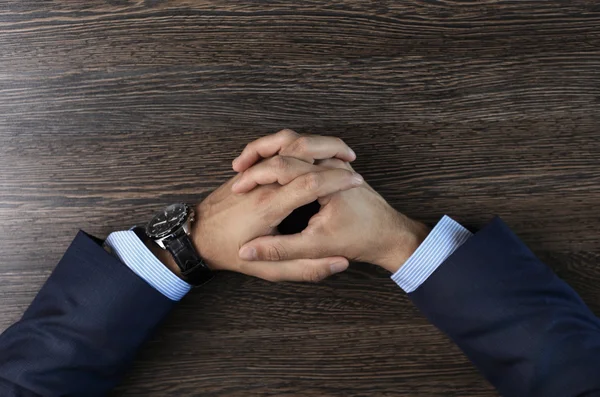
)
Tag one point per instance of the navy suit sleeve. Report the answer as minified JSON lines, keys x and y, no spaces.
{"x":524,"y":328}
{"x":83,"y":328}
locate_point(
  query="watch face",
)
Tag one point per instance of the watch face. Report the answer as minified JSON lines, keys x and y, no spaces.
{"x":167,"y":221}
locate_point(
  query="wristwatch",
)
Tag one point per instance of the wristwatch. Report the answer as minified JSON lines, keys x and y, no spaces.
{"x":170,"y":230}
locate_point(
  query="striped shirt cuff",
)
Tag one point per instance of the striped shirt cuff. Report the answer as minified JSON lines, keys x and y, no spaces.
{"x":443,"y":240}
{"x":136,"y":256}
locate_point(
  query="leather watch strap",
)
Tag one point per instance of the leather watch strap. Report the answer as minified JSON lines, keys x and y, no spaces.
{"x":193,"y":268}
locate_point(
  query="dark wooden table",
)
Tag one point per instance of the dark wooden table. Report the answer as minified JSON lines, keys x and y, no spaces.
{"x":111,"y":110}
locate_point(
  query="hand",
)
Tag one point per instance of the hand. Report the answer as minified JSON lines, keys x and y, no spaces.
{"x":288,"y":143}
{"x":227,"y":220}
{"x":357,"y":224}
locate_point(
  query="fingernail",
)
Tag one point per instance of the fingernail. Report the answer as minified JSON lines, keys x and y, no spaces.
{"x":235,"y":184}
{"x":352,"y":154}
{"x":248,"y":253}
{"x":338,"y":267}
{"x":234,"y":162}
{"x":357,"y":179}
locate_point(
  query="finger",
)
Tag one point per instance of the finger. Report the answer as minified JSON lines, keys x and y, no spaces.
{"x":277,"y":169}
{"x":314,"y":147}
{"x":334,"y":163}
{"x":307,"y":270}
{"x":264,"y":147}
{"x":310,"y":187}
{"x":282,"y":248}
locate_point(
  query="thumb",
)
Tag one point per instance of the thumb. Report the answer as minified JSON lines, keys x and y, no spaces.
{"x":283,"y":247}
{"x":307,"y":270}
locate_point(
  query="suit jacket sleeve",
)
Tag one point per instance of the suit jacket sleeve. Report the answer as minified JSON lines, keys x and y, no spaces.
{"x":83,"y":328}
{"x":524,"y":328}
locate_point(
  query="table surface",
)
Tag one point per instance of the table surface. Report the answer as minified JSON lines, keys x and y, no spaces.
{"x":109,"y":110}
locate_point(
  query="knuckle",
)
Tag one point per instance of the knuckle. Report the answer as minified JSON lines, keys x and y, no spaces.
{"x":340,"y":141}
{"x":289,"y":133}
{"x":276,"y":252}
{"x":264,"y":197}
{"x":280,"y":163}
{"x":248,"y":147}
{"x":301,"y":145}
{"x":312,"y":181}
{"x":313,"y":274}
{"x":317,"y":230}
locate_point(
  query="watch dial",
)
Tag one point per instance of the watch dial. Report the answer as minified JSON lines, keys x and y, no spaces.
{"x":166,"y":221}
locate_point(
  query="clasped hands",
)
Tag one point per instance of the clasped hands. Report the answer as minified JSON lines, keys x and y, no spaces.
{"x":237,"y":224}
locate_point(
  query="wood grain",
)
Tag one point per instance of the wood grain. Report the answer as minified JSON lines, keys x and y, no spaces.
{"x":109,"y":110}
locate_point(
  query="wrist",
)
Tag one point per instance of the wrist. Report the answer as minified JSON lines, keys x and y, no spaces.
{"x":202,"y":234}
{"x":407,"y":237}
{"x":165,"y":257}
{"x":197,"y":235}
{"x":170,"y":236}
